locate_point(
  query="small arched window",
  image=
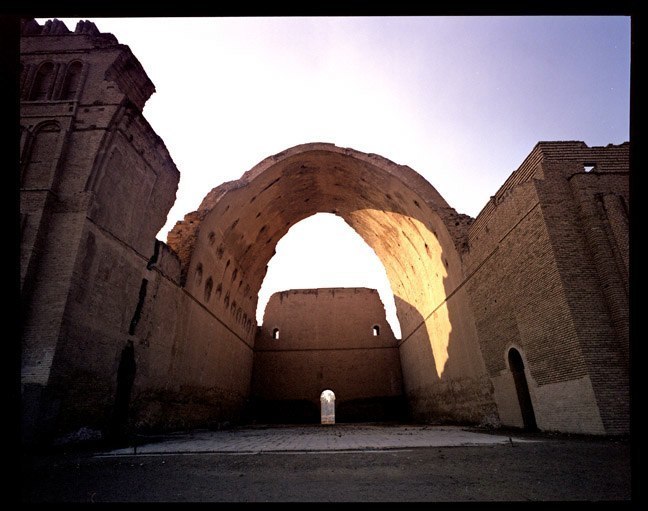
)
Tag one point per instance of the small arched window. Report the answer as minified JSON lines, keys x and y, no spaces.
{"x":42,"y":86}
{"x":72,"y":81}
{"x":275,"y":333}
{"x":376,"y":330}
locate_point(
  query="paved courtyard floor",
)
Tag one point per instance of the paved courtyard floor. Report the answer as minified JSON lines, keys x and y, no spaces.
{"x":334,"y":437}
{"x":337,"y":463}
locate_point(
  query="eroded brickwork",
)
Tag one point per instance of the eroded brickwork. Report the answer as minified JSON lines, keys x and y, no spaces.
{"x":122,"y":332}
{"x":96,"y":186}
{"x":554,"y":243}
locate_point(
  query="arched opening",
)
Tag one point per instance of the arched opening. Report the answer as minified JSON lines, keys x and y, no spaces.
{"x":516,"y":364}
{"x":43,"y":82}
{"x":327,"y":407}
{"x":72,"y":81}
{"x":416,"y":236}
{"x":322,"y":251}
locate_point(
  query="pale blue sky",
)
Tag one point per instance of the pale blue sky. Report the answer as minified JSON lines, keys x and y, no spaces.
{"x":461,"y":100}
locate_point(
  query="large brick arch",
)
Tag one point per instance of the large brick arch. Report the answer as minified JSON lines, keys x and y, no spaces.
{"x":225,"y":246}
{"x":544,"y":267}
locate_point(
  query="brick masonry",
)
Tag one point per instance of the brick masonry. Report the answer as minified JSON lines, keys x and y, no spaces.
{"x":121,"y":330}
{"x":555,"y":238}
{"x":336,"y":339}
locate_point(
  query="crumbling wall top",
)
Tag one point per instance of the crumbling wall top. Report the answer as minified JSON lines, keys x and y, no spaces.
{"x":56,"y":27}
{"x":571,"y":156}
{"x":54,"y":37}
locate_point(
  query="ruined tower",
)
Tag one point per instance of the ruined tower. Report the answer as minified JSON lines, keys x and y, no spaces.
{"x":96,"y":186}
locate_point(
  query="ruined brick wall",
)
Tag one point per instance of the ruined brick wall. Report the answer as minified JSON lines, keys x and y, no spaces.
{"x":317,"y":339}
{"x":218,"y":315}
{"x":96,"y":186}
{"x":543,"y":269}
{"x":226,"y":244}
{"x":586,"y":199}
{"x":535,"y":286}
{"x":194,"y":371}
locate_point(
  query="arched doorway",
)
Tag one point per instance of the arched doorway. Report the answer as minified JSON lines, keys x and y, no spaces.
{"x":327,"y":400}
{"x":516,"y":364}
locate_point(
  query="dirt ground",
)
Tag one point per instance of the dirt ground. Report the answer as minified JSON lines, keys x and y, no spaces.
{"x":558,"y":468}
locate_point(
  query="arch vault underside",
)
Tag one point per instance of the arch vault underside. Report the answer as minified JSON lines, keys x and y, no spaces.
{"x":224,"y":248}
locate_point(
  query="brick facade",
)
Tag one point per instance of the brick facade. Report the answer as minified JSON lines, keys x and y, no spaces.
{"x":124,"y":332}
{"x":317,"y":339}
{"x":555,"y":238}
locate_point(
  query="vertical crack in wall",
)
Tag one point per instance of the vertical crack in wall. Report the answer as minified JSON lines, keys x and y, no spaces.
{"x":138,"y":309}
{"x":154,"y":257}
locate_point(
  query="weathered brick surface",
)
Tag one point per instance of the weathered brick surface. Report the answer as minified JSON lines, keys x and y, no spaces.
{"x":225,"y":246}
{"x":192,"y":370}
{"x":336,"y":321}
{"x":593,"y":264}
{"x":544,"y":269}
{"x":558,"y":261}
{"x":86,"y":239}
{"x":326,"y":341}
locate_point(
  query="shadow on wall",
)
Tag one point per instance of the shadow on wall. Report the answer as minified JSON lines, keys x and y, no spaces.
{"x":284,"y":411}
{"x":440,"y":379}
{"x":231,"y":239}
{"x":444,"y":377}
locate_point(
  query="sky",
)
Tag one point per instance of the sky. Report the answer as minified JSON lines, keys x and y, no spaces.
{"x":461,"y":100}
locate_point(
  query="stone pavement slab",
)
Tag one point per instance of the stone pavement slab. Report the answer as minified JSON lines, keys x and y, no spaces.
{"x":336,"y":437}
{"x":340,"y":463}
